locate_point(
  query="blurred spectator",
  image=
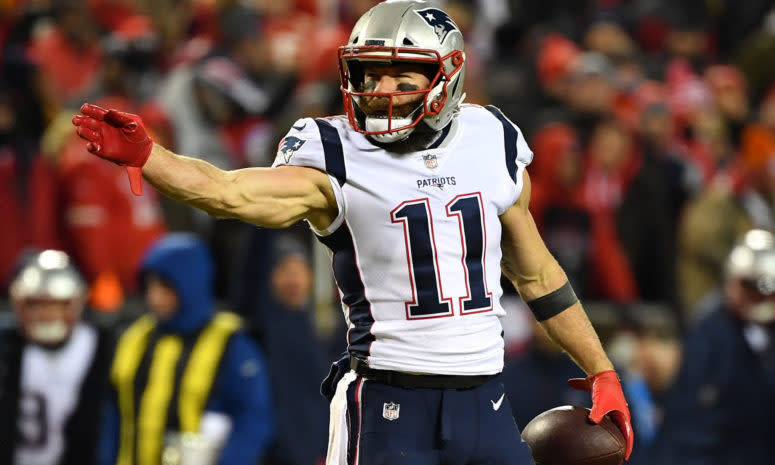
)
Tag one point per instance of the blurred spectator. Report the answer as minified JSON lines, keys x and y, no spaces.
{"x":582,"y":239}
{"x":593,"y":92}
{"x":556,"y":58}
{"x":555,"y":202}
{"x":740,"y":199}
{"x":68,"y":54}
{"x":708,"y":144}
{"x":609,"y":38}
{"x":721,"y":407}
{"x":687,"y":93}
{"x":752,"y":51}
{"x":98,"y":213}
{"x":188,"y":29}
{"x":55,"y":366}
{"x":220,"y":109}
{"x":193,"y":369}
{"x":647,"y":347}
{"x":128,"y":68}
{"x":730,"y":93}
{"x":295,"y":356}
{"x":652,"y":204}
{"x":610,"y":166}
{"x":687,"y":32}
{"x":28,"y":198}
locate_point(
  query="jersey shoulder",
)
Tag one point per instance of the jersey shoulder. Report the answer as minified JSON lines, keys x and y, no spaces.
{"x":310,"y":141}
{"x":301,"y":146}
{"x":514,"y":144}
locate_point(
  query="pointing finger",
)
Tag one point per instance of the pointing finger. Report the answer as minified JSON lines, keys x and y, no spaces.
{"x":94,"y":111}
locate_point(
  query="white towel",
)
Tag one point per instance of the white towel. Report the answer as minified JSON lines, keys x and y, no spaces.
{"x":337,"y":425}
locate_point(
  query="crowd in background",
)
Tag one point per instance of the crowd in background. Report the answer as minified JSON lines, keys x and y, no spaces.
{"x":652,"y":124}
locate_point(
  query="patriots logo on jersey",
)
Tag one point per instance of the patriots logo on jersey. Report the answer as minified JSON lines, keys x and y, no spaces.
{"x":439,"y":21}
{"x":288,"y":146}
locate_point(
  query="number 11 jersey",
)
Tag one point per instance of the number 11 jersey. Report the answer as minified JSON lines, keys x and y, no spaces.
{"x":416,"y":245}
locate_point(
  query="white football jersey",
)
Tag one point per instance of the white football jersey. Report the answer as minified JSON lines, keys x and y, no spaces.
{"x":50,"y":385}
{"x":416,"y":245}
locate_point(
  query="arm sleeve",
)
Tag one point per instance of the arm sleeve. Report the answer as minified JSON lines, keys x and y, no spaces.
{"x":245,"y":396}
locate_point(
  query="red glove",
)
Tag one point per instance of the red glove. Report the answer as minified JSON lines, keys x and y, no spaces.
{"x":608,"y":398}
{"x":116,"y":136}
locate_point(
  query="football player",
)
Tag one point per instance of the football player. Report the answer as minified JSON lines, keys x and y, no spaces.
{"x":422,"y":201}
{"x":55,"y":367}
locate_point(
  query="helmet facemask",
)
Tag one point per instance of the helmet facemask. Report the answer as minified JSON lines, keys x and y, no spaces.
{"x":393,"y":123}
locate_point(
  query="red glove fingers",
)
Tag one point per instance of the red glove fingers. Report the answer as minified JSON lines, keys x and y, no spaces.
{"x":89,"y":135}
{"x":93,"y":111}
{"x":608,"y":399}
{"x":119,"y":119}
{"x":116,"y":136}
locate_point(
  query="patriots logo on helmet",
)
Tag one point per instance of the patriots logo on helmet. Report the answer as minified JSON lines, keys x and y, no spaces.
{"x":288,"y":146}
{"x":439,"y":21}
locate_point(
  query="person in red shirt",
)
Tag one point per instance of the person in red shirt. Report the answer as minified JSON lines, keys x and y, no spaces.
{"x":106,"y":229}
{"x":579,"y":232}
{"x":27,"y":191}
{"x":68,"y":55}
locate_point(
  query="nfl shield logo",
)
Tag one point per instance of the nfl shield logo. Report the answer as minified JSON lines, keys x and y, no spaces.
{"x":431,"y":161}
{"x":390,"y":411}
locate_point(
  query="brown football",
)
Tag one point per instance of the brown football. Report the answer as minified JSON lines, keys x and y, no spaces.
{"x":565,"y":436}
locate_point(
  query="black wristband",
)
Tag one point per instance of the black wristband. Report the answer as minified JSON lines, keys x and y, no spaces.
{"x":553,"y":303}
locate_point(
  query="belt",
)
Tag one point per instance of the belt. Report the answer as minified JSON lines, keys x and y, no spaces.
{"x":407,"y":380}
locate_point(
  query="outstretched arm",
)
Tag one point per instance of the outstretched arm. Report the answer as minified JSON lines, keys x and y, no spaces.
{"x":271,"y":197}
{"x":543,"y":285}
{"x":276,"y":197}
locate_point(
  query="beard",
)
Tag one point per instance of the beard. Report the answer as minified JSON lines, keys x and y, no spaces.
{"x":378,"y":106}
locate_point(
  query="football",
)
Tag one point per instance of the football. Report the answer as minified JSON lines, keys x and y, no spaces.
{"x":565,"y":436}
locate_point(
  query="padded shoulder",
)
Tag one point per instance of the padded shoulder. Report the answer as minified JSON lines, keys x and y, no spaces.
{"x":314,"y":143}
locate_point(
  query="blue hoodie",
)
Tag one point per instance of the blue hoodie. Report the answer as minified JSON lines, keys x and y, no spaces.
{"x":184,"y":261}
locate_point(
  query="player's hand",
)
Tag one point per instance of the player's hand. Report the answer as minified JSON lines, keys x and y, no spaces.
{"x":116,"y":136}
{"x":608,"y":399}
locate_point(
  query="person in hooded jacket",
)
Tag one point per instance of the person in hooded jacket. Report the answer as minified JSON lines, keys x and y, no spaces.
{"x":296,"y":367}
{"x":185,"y":371}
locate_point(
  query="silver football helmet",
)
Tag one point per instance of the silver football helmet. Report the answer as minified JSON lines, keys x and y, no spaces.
{"x":752,"y":262}
{"x":396,"y":32}
{"x":48,"y":276}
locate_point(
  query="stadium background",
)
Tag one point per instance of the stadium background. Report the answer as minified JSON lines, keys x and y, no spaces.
{"x":651,"y":122}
